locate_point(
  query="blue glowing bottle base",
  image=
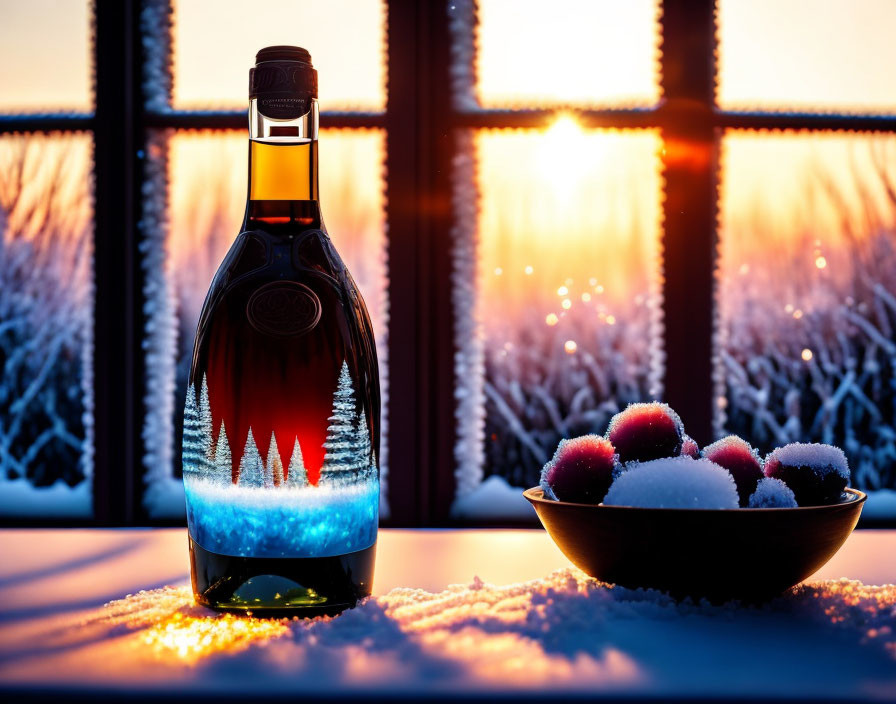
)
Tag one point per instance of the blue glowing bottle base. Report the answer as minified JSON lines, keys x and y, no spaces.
{"x":281,"y":587}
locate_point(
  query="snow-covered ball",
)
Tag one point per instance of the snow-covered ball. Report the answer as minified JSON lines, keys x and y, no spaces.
{"x":646,"y":431}
{"x":674,"y":482}
{"x":817,"y":474}
{"x":772,"y":493}
{"x":581,"y":470}
{"x":689,"y":447}
{"x":737,"y":456}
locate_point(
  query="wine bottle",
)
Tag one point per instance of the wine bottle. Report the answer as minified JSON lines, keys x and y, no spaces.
{"x":281,"y":423}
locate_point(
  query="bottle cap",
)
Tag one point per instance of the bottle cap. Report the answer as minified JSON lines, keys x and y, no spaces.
{"x":283,"y":81}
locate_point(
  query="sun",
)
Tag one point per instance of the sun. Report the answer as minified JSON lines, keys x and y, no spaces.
{"x":562,"y":155}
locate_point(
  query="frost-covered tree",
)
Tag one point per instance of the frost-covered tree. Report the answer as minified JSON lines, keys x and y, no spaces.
{"x":223,"y":458}
{"x":343,"y":444}
{"x":193,"y":452}
{"x":296,"y":475}
{"x":251,"y":464}
{"x":207,"y":429}
{"x":273,"y":472}
{"x":46,"y":348}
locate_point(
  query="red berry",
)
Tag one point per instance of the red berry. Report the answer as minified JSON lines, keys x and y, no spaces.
{"x":738,"y":457}
{"x":689,"y":447}
{"x":646,"y":431}
{"x":581,"y":470}
{"x":816,"y":474}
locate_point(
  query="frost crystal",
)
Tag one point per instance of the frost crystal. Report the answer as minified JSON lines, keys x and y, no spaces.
{"x":772,"y":493}
{"x":676,"y":482}
{"x":469,"y":360}
{"x":164,"y":495}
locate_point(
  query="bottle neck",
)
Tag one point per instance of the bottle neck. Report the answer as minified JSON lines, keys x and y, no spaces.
{"x":283,"y":181}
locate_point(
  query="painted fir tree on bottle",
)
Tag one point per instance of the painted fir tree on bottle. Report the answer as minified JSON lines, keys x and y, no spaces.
{"x":274,"y":468}
{"x":206,"y":428}
{"x":344,"y":446}
{"x":251,"y":466}
{"x":193,"y":450}
{"x":223,"y":458}
{"x":296,"y":474}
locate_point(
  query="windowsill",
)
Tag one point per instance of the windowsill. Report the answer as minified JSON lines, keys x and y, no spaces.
{"x":538,"y":638}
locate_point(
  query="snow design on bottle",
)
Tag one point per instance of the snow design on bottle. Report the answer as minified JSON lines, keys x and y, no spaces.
{"x":274,"y":467}
{"x":296,"y":473}
{"x":223,"y":458}
{"x":251,"y":465}
{"x":348,"y":439}
{"x":264,"y":511}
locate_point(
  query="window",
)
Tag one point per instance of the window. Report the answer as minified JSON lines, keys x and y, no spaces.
{"x":550,"y":214}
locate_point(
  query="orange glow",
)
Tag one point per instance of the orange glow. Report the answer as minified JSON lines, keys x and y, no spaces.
{"x":214,"y":45}
{"x":582,"y":52}
{"x":799,"y":55}
{"x":49,"y":163}
{"x":797,"y":195}
{"x":191,"y":638}
{"x":45,"y":54}
{"x":600,"y":225}
{"x":570,"y":346}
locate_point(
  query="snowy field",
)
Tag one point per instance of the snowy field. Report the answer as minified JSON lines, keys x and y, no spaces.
{"x":282,"y":522}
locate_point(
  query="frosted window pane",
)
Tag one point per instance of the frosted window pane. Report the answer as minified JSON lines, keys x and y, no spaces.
{"x":566,"y":280}
{"x":805,"y":55}
{"x":45,"y":325}
{"x":207,"y":196}
{"x":215,"y":42}
{"x":572,"y":52}
{"x":807,"y":284}
{"x":46,"y":56}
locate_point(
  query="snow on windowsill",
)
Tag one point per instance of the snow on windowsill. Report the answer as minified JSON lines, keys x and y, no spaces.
{"x":880,"y":505}
{"x":562,"y":633}
{"x":493,"y":499}
{"x":21,"y":499}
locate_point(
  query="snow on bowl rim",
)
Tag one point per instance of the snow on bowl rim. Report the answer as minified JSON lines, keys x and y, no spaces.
{"x":536,"y":495}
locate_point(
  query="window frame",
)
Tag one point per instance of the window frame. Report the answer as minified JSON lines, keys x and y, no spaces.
{"x":421,"y":123}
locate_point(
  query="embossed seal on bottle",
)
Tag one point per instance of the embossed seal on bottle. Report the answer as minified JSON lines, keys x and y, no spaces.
{"x":283,"y":309}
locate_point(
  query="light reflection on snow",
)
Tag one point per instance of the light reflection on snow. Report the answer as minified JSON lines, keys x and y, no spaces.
{"x":563,"y":631}
{"x":191,"y":637}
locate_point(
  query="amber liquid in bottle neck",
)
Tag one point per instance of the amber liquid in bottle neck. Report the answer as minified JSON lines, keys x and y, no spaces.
{"x":283,"y":181}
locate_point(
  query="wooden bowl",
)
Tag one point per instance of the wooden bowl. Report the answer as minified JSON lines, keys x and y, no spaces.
{"x":747,"y":554}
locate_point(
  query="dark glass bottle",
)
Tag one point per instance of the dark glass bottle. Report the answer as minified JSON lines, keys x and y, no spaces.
{"x":281,"y":424}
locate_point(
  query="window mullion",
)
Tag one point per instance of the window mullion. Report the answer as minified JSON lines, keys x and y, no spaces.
{"x":118,"y":314}
{"x":419,"y":151}
{"x":689,"y":211}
